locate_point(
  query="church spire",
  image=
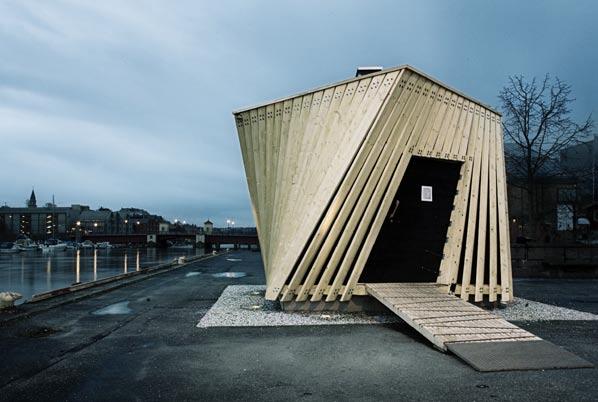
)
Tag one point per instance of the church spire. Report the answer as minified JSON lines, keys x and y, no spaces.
{"x":32,"y":203}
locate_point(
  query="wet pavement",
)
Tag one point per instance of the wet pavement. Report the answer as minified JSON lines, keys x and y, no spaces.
{"x":155,"y":352}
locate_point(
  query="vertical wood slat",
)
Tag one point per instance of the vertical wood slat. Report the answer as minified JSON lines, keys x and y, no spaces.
{"x":374,"y":97}
{"x":362,"y":217}
{"x":301,"y":111}
{"x":383,"y":206}
{"x":493,"y":238}
{"x":303,"y":265}
{"x":357,"y":98}
{"x":506,"y":281}
{"x":340,"y":259}
{"x":473,"y":207}
{"x":319,"y":261}
{"x":347,"y":194}
{"x":290,"y":107}
{"x":449,"y":265}
{"x":483,"y":213}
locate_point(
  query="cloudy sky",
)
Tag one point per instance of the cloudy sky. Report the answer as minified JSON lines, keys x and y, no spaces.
{"x":128,"y":103}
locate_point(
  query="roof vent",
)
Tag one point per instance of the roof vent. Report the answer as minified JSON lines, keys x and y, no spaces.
{"x":367,"y":70}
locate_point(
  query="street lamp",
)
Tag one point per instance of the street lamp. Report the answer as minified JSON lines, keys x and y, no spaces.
{"x":78,"y":232}
{"x":127,"y":232}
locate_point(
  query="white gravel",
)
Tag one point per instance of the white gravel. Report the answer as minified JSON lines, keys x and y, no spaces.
{"x":245,"y":306}
{"x":528,"y":310}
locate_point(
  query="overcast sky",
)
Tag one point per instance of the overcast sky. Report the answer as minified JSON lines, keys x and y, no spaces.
{"x":128,"y":103}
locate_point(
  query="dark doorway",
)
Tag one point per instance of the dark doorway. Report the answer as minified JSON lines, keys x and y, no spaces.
{"x":410,"y":244}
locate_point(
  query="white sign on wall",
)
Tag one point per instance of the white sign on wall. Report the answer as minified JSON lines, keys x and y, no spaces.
{"x":427,"y":193}
{"x":564,"y":217}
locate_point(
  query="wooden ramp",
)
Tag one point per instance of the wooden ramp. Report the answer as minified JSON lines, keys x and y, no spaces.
{"x":481,"y":339}
{"x":442,"y":318}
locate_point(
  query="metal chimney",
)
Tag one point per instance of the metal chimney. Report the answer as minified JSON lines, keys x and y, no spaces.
{"x":367,"y":70}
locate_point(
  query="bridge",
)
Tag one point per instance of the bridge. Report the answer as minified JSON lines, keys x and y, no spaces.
{"x":215,"y":241}
{"x":210,"y":242}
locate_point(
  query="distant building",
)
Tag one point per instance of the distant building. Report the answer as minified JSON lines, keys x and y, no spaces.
{"x":563,"y":189}
{"x":208,"y":227}
{"x":50,"y":221}
{"x":163,"y":227}
{"x":580,"y":161}
{"x":37,"y":223}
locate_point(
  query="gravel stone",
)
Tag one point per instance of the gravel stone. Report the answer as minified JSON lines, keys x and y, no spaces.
{"x":231,"y":310}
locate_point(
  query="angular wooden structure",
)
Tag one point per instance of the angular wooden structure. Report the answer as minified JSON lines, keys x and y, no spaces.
{"x":333,"y":175}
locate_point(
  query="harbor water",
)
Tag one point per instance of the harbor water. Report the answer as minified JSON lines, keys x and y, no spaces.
{"x":30,"y":273}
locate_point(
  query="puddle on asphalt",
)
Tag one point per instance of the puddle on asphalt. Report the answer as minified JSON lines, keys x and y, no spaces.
{"x":229,"y":275}
{"x":234,"y":259}
{"x":114,"y":309}
{"x":193,"y":273}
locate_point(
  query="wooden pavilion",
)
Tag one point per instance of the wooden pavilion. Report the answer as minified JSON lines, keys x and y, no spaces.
{"x":389,"y":177}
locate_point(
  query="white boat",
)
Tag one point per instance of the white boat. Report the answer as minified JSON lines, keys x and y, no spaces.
{"x":54,"y":245}
{"x":103,"y":245}
{"x":24,"y":243}
{"x":181,"y":246}
{"x":87,"y":244}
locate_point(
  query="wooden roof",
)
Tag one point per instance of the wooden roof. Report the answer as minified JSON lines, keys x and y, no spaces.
{"x":384,"y":71}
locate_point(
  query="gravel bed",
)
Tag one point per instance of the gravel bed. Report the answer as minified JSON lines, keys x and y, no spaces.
{"x":245,"y":306}
{"x":235,"y":308}
{"x":528,"y":310}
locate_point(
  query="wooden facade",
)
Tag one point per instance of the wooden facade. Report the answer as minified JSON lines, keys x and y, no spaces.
{"x":324,"y":168}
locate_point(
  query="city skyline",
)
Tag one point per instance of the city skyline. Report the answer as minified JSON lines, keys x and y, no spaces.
{"x":113,"y":104}
{"x":41,"y":203}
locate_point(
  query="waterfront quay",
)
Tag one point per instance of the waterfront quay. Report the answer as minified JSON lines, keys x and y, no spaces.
{"x":149,"y":348}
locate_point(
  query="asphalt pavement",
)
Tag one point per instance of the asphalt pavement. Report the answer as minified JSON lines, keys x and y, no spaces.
{"x":154,"y":351}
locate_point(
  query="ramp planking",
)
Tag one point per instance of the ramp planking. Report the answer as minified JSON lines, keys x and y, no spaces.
{"x":443,"y":318}
{"x":483,"y":340}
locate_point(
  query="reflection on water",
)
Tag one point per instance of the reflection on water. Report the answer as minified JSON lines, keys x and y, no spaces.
{"x":35,"y":272}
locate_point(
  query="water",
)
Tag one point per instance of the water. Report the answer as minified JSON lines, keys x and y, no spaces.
{"x":35,"y":272}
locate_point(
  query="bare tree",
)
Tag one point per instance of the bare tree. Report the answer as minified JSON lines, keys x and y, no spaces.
{"x":537,"y":120}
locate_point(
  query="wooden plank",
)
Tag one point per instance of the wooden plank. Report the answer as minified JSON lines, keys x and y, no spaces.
{"x":483,"y":217}
{"x":473,"y":205}
{"x":449,"y":266}
{"x":347,"y":149}
{"x":448,"y":319}
{"x":378,"y":207}
{"x":299,"y":119}
{"x":506,"y":291}
{"x":304,"y":263}
{"x":436,"y":118}
{"x":285,"y":118}
{"x":351,"y":230}
{"x":493,"y":238}
{"x":365,"y":158}
{"x":416,"y":111}
{"x":291,"y":110}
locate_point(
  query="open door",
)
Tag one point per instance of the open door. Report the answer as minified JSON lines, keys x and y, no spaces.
{"x":410,"y":244}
